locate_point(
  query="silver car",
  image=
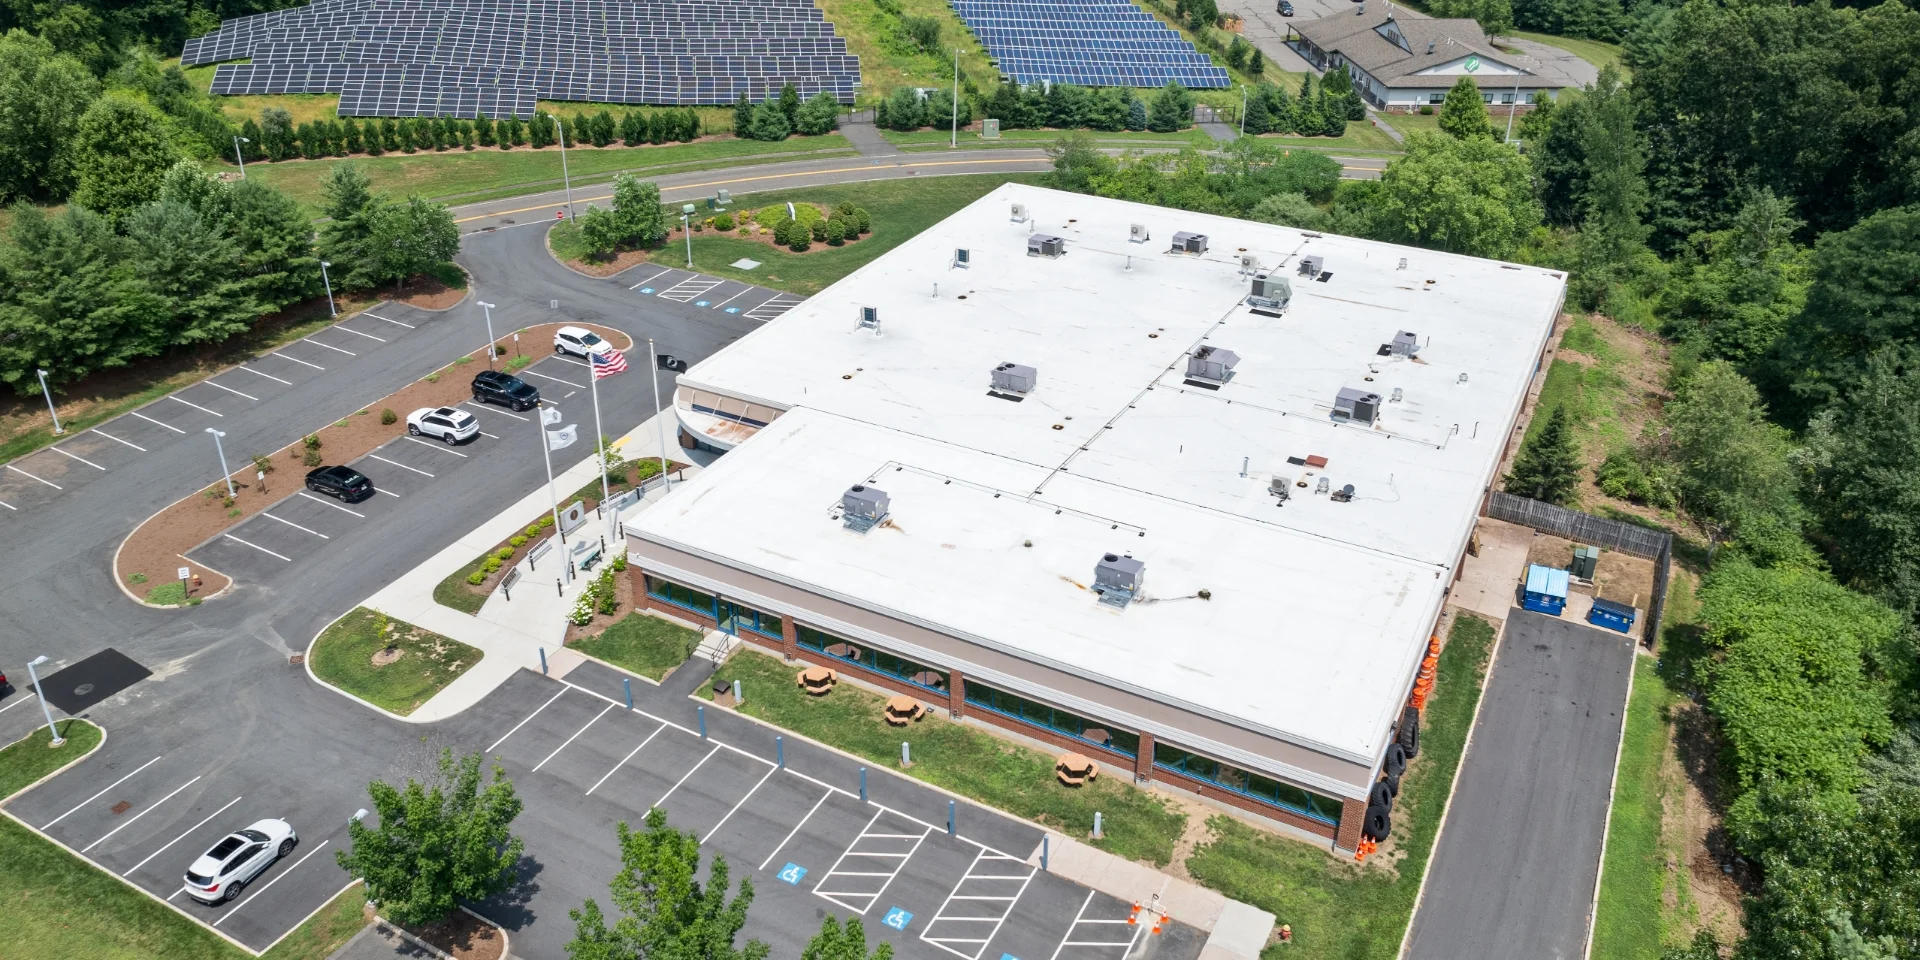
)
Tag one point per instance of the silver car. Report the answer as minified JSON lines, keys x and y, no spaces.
{"x":239,"y":857}
{"x":451,"y":424}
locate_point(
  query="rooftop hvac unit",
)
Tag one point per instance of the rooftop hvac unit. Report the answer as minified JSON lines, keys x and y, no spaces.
{"x":1186,"y":241}
{"x":1270,"y":291}
{"x":1405,"y":344}
{"x":863,"y":507}
{"x":1249,"y":264}
{"x":1357,"y":406}
{"x":1280,"y":487}
{"x":1311,"y":266}
{"x":1212,"y":363}
{"x":1046,"y":245}
{"x":1014,"y":378}
{"x":1019,"y":213}
{"x":870,"y":318}
{"x":1137,"y":233}
{"x":1342,"y":495}
{"x":962,"y":257}
{"x":1118,"y":580}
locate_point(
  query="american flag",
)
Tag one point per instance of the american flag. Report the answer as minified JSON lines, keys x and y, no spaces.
{"x":609,"y":363}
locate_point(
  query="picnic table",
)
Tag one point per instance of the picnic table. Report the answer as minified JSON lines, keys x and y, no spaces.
{"x":1074,"y":769}
{"x":903,"y":710}
{"x":816,"y":681}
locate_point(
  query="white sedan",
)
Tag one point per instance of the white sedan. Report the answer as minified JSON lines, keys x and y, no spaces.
{"x":239,"y":857}
{"x":451,"y":424}
{"x":579,"y":341}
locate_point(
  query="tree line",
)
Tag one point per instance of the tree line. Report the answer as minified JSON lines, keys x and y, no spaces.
{"x":785,"y":114}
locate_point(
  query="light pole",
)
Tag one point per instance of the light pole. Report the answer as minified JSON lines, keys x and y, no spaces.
{"x":57,"y":428}
{"x":488,"y":307}
{"x":686,"y":227}
{"x":324,"y":279}
{"x":1514,"y":106}
{"x":655,"y":363}
{"x":225,"y":474}
{"x":35,"y":674}
{"x":956,"y":99}
{"x":237,"y":141}
{"x":564,"y":178}
{"x":1243,"y":109}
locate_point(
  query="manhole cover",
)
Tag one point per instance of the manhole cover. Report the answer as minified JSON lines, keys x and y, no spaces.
{"x":122,"y":807}
{"x":83,"y":689}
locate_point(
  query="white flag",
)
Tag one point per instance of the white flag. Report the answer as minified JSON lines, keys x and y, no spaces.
{"x":549,"y":415}
{"x":563,"y":437}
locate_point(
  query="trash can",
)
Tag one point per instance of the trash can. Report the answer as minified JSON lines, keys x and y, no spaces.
{"x":1611,"y":615}
{"x":1546,"y":590}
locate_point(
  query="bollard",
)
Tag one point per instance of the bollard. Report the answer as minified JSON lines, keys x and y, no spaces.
{"x":703,"y":720}
{"x":629,"y":685}
{"x":1096,"y":826}
{"x":1046,"y":839}
{"x":543,"y":661}
{"x":863,"y":784}
{"x":558,"y":590}
{"x":906,"y":754}
{"x":738,"y":697}
{"x":949,"y":818}
{"x":780,"y":752}
{"x":507,"y":591}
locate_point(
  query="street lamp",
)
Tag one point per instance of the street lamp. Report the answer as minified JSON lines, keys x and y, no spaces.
{"x":237,"y":141}
{"x":488,"y":307}
{"x":35,"y":674}
{"x":1243,"y":109}
{"x":323,"y":279}
{"x":225,"y":474}
{"x":57,"y":429}
{"x":564,"y":178}
{"x":956,"y":99}
{"x":686,"y":227}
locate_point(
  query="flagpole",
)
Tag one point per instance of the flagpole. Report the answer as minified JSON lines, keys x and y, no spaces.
{"x":599,"y":439}
{"x":654,"y":362}
{"x":546,"y":450}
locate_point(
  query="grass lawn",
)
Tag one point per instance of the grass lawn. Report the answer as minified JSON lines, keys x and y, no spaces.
{"x":25,"y":761}
{"x":343,"y":656}
{"x":1633,"y":883}
{"x":900,"y":209}
{"x":1360,"y":135}
{"x":642,"y":643}
{"x":173,"y":593}
{"x":324,"y":932}
{"x":1597,"y":52}
{"x":960,"y":758}
{"x":1339,"y":908}
{"x":888,"y":62}
{"x":453,"y":591}
{"x":1041,"y":138}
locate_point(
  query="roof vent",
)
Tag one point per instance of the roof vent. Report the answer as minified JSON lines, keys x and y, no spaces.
{"x":1212,"y":363}
{"x":1312,"y":266}
{"x":1429,"y":47}
{"x":1046,"y":245}
{"x":1405,"y":344}
{"x":862,"y":507}
{"x":1342,"y":495}
{"x":1118,"y":580}
{"x":1017,"y":378}
{"x":1270,"y":292}
{"x":1356,"y":406}
{"x":1186,"y":241}
{"x":1019,"y":213}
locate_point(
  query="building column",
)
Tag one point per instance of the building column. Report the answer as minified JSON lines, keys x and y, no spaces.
{"x":1353,"y":814}
{"x":956,"y":694}
{"x":789,"y":638}
{"x":1143,"y":764}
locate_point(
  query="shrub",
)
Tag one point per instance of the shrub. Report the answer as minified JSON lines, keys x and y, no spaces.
{"x":432,"y":378}
{"x":620,"y":563}
{"x":1426,"y":110}
{"x":864,"y":219}
{"x":476,"y":578}
{"x":801,"y":239}
{"x":845,"y":209}
{"x":545,"y":522}
{"x":491,"y":564}
{"x":836,"y":233}
{"x":818,"y":228}
{"x":262,"y":463}
{"x":504,"y":553}
{"x":533,"y":530}
{"x":312,"y":440}
{"x":723,"y":222}
{"x":312,"y":459}
{"x":517,"y":540}
{"x":388,"y":418}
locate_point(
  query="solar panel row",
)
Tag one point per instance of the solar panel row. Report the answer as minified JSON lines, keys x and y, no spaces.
{"x":1089,"y":42}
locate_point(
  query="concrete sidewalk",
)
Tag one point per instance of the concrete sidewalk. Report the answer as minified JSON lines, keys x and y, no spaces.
{"x":1235,"y":931}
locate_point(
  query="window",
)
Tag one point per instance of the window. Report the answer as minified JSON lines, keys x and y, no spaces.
{"x":735,"y":618}
{"x":1506,"y":97}
{"x":1486,"y":98}
{"x":1264,"y":789}
{"x":899,"y":668}
{"x":678,"y":595}
{"x":1059,"y":721}
{"x":1436,"y":98}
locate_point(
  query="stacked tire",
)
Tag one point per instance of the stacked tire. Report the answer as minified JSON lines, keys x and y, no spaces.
{"x":1379,"y":820}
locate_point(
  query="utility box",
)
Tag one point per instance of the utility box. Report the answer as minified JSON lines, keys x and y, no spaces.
{"x":1014,"y":378}
{"x":863,"y":507}
{"x":1186,"y":241}
{"x":1118,"y":580}
{"x":1546,"y":590}
{"x":1212,"y":363}
{"x":1270,"y":291}
{"x":1356,"y":406}
{"x":1611,"y":615}
{"x":1311,"y":266}
{"x":1586,"y":559}
{"x":1046,"y":245}
{"x":1405,"y":344}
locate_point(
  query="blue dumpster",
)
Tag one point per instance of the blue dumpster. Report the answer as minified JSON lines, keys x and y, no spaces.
{"x":1546,"y":590}
{"x":1611,"y":615}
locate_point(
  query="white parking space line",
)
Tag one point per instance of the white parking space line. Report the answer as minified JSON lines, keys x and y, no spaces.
{"x":576,"y":735}
{"x":651,"y":279}
{"x":157,"y":423}
{"x":222,"y":386}
{"x":256,"y":546}
{"x":662,"y":802}
{"x":489,"y":436}
{"x":1067,"y":940}
{"x":329,"y":346}
{"x":543,"y":376}
{"x":25,"y":698}
{"x":482,"y":406}
{"x":115,"y":439}
{"x":303,"y":363}
{"x":623,"y":760}
{"x":389,"y":493}
{"x":32,"y":477}
{"x":442,"y":447}
{"x":772,"y":308}
{"x":269,"y":376}
{"x":577,"y":363}
{"x":732,"y":298}
{"x":530,"y":716}
{"x":149,"y":808}
{"x":9,"y":506}
{"x":282,"y":875}
{"x":396,"y":323}
{"x":330,"y":503}
{"x":49,"y":824}
{"x":796,"y":829}
{"x":181,"y":837}
{"x":969,"y":925}
{"x":197,"y":407}
{"x":84,"y":460}
{"x":296,"y":526}
{"x":687,"y":291}
{"x":369,"y":336}
{"x":397,"y":463}
{"x":899,"y":864}
{"x":737,"y":806}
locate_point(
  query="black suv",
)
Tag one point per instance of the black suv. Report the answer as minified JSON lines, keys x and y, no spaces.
{"x":1285,"y":8}
{"x":344,"y":482}
{"x":493,"y":386}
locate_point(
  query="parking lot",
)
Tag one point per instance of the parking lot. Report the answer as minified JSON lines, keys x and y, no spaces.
{"x":711,"y":293}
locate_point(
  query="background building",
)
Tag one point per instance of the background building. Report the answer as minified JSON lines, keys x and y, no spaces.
{"x":1405,"y":64}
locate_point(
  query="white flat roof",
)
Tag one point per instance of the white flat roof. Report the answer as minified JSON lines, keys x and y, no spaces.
{"x":1327,"y":602}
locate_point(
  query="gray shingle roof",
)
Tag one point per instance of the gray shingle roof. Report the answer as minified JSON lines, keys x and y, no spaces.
{"x":1360,"y":39}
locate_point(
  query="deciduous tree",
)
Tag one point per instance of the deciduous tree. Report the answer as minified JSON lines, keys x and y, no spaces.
{"x":121,"y":152}
{"x":1468,"y":196}
{"x":1463,"y":115}
{"x":436,"y":844}
{"x":662,"y":908}
{"x":42,"y":97}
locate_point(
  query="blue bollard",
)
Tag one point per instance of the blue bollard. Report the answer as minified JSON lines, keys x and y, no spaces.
{"x":543,"y":661}
{"x":629,"y":685}
{"x":703,"y":720}
{"x":780,"y":752}
{"x":949,"y":818}
{"x":863,"y":784}
{"x":1045,"y":841}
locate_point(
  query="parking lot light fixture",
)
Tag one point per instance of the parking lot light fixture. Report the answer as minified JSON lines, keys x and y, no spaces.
{"x":686,"y":227}
{"x":564,"y":177}
{"x":34,"y":674}
{"x":57,"y":428}
{"x":324,"y":279}
{"x":225,"y":474}
{"x":237,"y":156}
{"x":488,"y":307}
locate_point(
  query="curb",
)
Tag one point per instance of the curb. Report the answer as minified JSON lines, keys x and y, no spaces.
{"x":1613,"y":785}
{"x":384,"y":302}
{"x":63,"y":767}
{"x":114,"y":568}
{"x":306,"y":663}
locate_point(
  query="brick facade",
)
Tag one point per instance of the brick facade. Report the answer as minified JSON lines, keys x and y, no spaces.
{"x":1143,"y":764}
{"x":956,"y":694}
{"x":641,"y":598}
{"x":1353,"y":814}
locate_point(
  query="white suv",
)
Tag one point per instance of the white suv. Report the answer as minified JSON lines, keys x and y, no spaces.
{"x":579,"y":341}
{"x":451,"y":424}
{"x":239,"y":857}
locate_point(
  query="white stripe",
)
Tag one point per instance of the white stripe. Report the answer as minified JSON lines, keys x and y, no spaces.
{"x":329,"y":346}
{"x":276,"y":879}
{"x":543,"y":376}
{"x":860,"y":853}
{"x":696,"y":767}
{"x":737,"y":806}
{"x":1070,"y":926}
{"x":623,"y":760}
{"x":115,"y":439}
{"x":84,"y":460}
{"x":231,"y":390}
{"x":32,"y":477}
{"x":303,"y":363}
{"x":437,"y":446}
{"x":389,"y":493}
{"x":151,"y":420}
{"x":396,"y":323}
{"x":369,"y":336}
{"x":731,"y":299}
{"x":256,"y":546}
{"x":400,"y":465}
{"x":796,"y":829}
{"x":894,"y":836}
{"x":481,"y":406}
{"x":197,"y":406}
{"x":49,"y":824}
{"x":28,"y":698}
{"x":181,"y":837}
{"x":958,"y":896}
{"x":651,"y":279}
{"x":15,"y":509}
{"x":269,"y":376}
{"x":144,"y":811}
{"x":530,"y":716}
{"x":577,"y":363}
{"x":296,"y":526}
{"x":330,"y":503}
{"x":576,"y":735}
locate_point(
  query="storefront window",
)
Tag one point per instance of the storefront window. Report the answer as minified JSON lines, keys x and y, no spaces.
{"x":678,"y":595}
{"x":1264,"y":789}
{"x":1059,"y":721}
{"x":900,"y":668}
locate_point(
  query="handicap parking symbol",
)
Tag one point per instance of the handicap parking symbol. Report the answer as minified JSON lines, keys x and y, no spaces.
{"x":792,"y":873}
{"x":733,"y":309}
{"x":701,"y":303}
{"x":646,"y":289}
{"x":1008,"y":956}
{"x":897,"y":918}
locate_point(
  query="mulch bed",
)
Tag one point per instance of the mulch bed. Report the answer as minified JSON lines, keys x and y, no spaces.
{"x":427,"y":293}
{"x":621,"y":260}
{"x":622,"y":592}
{"x":158,"y":546}
{"x":465,"y":937}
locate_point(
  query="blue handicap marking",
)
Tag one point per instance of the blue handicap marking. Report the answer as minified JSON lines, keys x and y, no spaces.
{"x":897,"y":918}
{"x":792,"y":873}
{"x":646,"y":289}
{"x":733,"y":309}
{"x":701,"y":303}
{"x":1008,"y":956}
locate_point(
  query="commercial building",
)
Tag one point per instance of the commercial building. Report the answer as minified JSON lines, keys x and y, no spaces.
{"x":1405,"y":63}
{"x":1181,"y":492}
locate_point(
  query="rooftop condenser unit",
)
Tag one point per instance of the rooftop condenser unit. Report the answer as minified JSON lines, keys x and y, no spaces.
{"x":1356,"y":406}
{"x":862,"y":507}
{"x":1014,"y":378}
{"x":1186,"y":241}
{"x":1118,"y":580}
{"x":1046,"y":245}
{"x":1270,"y":292}
{"x":1212,"y":363}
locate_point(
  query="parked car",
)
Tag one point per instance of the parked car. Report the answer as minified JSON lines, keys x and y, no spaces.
{"x":579,"y":341}
{"x":1285,"y":8}
{"x":494,"y":386}
{"x":5,"y":687}
{"x":451,"y":424}
{"x":346,"y":483}
{"x":239,"y":857}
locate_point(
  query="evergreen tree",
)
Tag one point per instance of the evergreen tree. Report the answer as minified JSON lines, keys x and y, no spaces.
{"x":540,"y":131}
{"x":348,"y":202}
{"x":69,"y":301}
{"x":769,"y":122}
{"x":250,"y":146}
{"x":275,"y":240}
{"x":742,"y":118}
{"x":689,"y":125}
{"x":1613,"y":237}
{"x":276,"y":133}
{"x":1464,"y":114}
{"x":820,"y":114}
{"x":1258,"y":119}
{"x":121,"y":152}
{"x":1237,"y":53}
{"x":603,"y":129}
{"x":188,"y":260}
{"x":356,"y":141}
{"x":483,"y":131}
{"x":1136,"y":114}
{"x":790,"y":104}
{"x":42,"y":97}
{"x":880,"y":118}
{"x":905,"y":110}
{"x":1171,"y":109}
{"x":630,"y":128}
{"x":1257,"y":63}
{"x":1548,"y":467}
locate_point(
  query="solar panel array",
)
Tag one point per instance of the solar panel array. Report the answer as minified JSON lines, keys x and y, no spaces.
{"x":1100,"y":43}
{"x":462,"y":58}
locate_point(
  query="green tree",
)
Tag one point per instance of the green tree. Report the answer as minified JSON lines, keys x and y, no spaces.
{"x":820,"y":114}
{"x":1171,"y":109}
{"x":1830,"y":870}
{"x":906,"y":110}
{"x":835,"y":942}
{"x":275,"y":241}
{"x":1548,"y":467}
{"x":769,"y":122}
{"x":121,"y":152}
{"x":348,"y":201}
{"x":664,"y":910}
{"x":601,"y":230}
{"x":1465,"y":196}
{"x":69,"y":300}
{"x":1863,"y":465}
{"x":1732,"y":466}
{"x":1613,"y":239}
{"x":790,"y":104}
{"x":407,"y":239}
{"x":1077,"y":160}
{"x":1290,"y":210}
{"x":1733,"y":291}
{"x":1463,"y":115}
{"x":742,"y":118}
{"x":1865,"y":295}
{"x":637,"y":204}
{"x":188,"y":259}
{"x":437,"y":844}
{"x":1237,"y":53}
{"x":922,"y":32}
{"x":42,"y":97}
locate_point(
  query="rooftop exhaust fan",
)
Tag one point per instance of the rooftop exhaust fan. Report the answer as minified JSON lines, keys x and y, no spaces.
{"x":1186,"y":241}
{"x":862,"y":507}
{"x":1356,"y":406}
{"x":1118,"y":580}
{"x":1137,"y":233}
{"x":1270,"y":292}
{"x":1405,"y":344}
{"x":1016,"y":378}
{"x":1046,"y":245}
{"x":1212,"y":363}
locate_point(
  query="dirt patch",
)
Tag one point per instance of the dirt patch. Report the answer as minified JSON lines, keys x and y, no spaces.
{"x":387,"y":656}
{"x":1709,"y":879}
{"x":465,"y":937}
{"x":159,"y":545}
{"x":1198,"y":832}
{"x":1619,"y":576}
